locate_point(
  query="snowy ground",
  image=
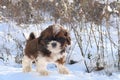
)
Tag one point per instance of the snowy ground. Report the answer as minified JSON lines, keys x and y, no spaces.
{"x":76,"y":73}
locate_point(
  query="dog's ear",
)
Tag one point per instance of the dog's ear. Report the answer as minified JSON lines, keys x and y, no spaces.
{"x":67,"y":35}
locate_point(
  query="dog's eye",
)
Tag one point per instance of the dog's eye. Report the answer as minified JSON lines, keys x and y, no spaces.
{"x":61,"y":39}
{"x":48,"y":39}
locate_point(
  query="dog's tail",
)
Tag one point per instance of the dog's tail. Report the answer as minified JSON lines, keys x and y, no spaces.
{"x":31,"y":36}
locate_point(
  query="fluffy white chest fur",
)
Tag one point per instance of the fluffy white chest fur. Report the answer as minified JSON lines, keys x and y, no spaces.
{"x":53,"y":57}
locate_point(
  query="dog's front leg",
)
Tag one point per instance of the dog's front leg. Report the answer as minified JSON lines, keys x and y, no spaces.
{"x":60,"y":65}
{"x":26,"y":64}
{"x":62,"y":69}
{"x":41,"y":67}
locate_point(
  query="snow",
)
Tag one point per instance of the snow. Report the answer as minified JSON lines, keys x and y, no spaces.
{"x":15,"y":73}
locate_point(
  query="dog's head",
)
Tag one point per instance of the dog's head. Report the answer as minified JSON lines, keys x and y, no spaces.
{"x":55,"y":39}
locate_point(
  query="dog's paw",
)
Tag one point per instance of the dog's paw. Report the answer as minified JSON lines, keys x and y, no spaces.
{"x":63,"y":71}
{"x":27,"y":69}
{"x":44,"y":73}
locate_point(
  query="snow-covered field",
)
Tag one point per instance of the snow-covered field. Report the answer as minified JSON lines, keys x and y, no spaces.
{"x":76,"y":73}
{"x":9,"y":34}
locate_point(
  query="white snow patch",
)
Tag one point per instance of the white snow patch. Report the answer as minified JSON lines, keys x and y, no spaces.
{"x":15,"y":73}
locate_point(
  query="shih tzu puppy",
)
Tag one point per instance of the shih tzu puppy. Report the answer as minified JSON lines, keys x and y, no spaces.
{"x":49,"y":47}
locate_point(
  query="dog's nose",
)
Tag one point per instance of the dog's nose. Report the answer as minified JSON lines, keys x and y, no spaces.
{"x":54,"y":44}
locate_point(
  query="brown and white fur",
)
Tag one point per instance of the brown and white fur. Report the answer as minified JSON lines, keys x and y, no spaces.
{"x":49,"y":47}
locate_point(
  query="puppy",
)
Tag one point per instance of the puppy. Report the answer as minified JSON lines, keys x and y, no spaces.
{"x":49,"y":47}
